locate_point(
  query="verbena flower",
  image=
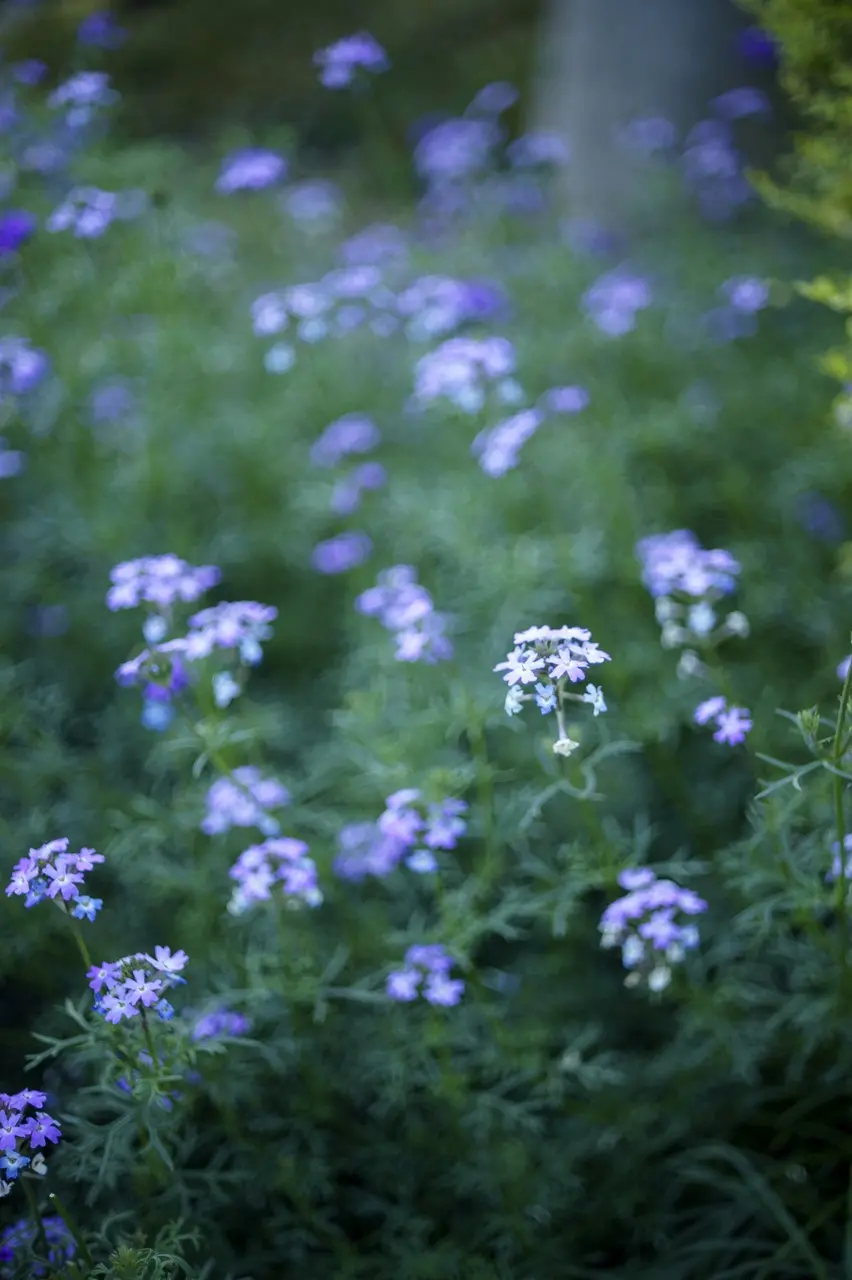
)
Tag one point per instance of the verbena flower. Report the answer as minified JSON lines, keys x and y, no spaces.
{"x":279,"y":861}
{"x":314,"y":206}
{"x":564,"y":400}
{"x":340,"y":62}
{"x":713,"y":170}
{"x":111,"y":402}
{"x":377,"y":849}
{"x":87,"y":211}
{"x":220,"y":1022}
{"x":552,"y":659}
{"x":20,"y":1238}
{"x":52,"y":872}
{"x":353,"y":433}
{"x":233,"y":626}
{"x":426,"y":972}
{"x":340,"y":554}
{"x":347,"y":493}
{"x":29,"y":72}
{"x":497,"y":449}
{"x":127,"y":988}
{"x":456,"y":149}
{"x":494,"y":99}
{"x":101,"y":31}
{"x":732,"y":723}
{"x":614,"y":299}
{"x":538,"y":150}
{"x":676,"y":563}
{"x":747,"y":294}
{"x":251,"y":169}
{"x":462,"y":370}
{"x":738,"y":103}
{"x":244,"y":800}
{"x":406,"y":608}
{"x":82,"y":95}
{"x":438,"y":305}
{"x":643,"y":924}
{"x":12,"y":461}
{"x":160,"y":581}
{"x":16,"y":227}
{"x":22,"y":367}
{"x":24,"y":1137}
{"x":380,"y":243}
{"x":758,"y":46}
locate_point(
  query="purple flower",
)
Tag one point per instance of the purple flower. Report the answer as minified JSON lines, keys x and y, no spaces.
{"x":279,"y":860}
{"x":158,"y":580}
{"x":29,"y":72}
{"x":405,"y":607}
{"x":758,"y":46}
{"x":709,"y":710}
{"x":379,"y":243}
{"x":538,"y":150}
{"x":649,"y":135}
{"x":16,"y":227}
{"x":220,"y":1022}
{"x":243,"y":800}
{"x":346,"y":497}
{"x":313,"y":206}
{"x":432,"y":962}
{"x":614,"y":299}
{"x":122,"y":986}
{"x":82,"y":95}
{"x":87,"y":211}
{"x":51,"y":871}
{"x":340,"y":554}
{"x":494,"y":99}
{"x":462,"y":370}
{"x":402,"y":984}
{"x":441,"y":990}
{"x":497,"y":449}
{"x":676,"y":562}
{"x":22,"y":367}
{"x":737,"y":103}
{"x":101,"y":31}
{"x":19,"y":1240}
{"x":238,"y":625}
{"x":12,"y":461}
{"x":732,"y":725}
{"x":455,"y":149}
{"x":643,"y":925}
{"x":339,"y":63}
{"x":353,"y":433}
{"x":745,"y":293}
{"x":251,"y":170}
{"x":365,"y":850}
{"x":111,"y":402}
{"x":564,"y":400}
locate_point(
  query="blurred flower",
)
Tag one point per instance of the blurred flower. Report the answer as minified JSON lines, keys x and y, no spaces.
{"x":87,"y":211}
{"x":427,"y":969}
{"x":251,"y":170}
{"x":437,"y":305}
{"x":461,"y":370}
{"x":101,"y":30}
{"x":737,"y":103}
{"x":278,"y":861}
{"x":280,"y":358}
{"x":648,"y":135}
{"x":643,"y":925}
{"x":220,"y":1022}
{"x":676,"y":562}
{"x":406,"y":608}
{"x":238,"y":625}
{"x":745,"y":293}
{"x":19,"y":1239}
{"x":81,"y":95}
{"x":498,"y":447}
{"x":314,"y":206}
{"x":564,"y":400}
{"x":111,"y":402}
{"x":352,"y":433}
{"x":29,"y":72}
{"x":22,"y":367}
{"x":821,"y":518}
{"x":52,"y":872}
{"x":16,"y":227}
{"x":12,"y":461}
{"x":346,"y":497}
{"x":456,"y":149}
{"x":379,"y":243}
{"x":244,"y":799}
{"x":732,"y":723}
{"x":158,"y":580}
{"x":494,"y":99}
{"x":614,"y":299}
{"x":340,"y":62}
{"x":538,"y":150}
{"x":758,"y":46}
{"x":340,"y":554}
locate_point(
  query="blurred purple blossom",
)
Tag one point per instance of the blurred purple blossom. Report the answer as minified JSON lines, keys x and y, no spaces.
{"x":111,"y":402}
{"x":648,"y":135}
{"x":381,"y":242}
{"x":738,"y":103}
{"x":494,"y":99}
{"x":564,"y":400}
{"x":538,"y":150}
{"x":16,"y":227}
{"x":456,"y":149}
{"x":101,"y":31}
{"x":251,"y":169}
{"x":758,"y":46}
{"x":745,"y":293}
{"x":29,"y":72}
{"x":314,"y":206}
{"x":87,"y":211}
{"x":346,"y":497}
{"x":22,"y":367}
{"x":339,"y":63}
{"x":497,"y":448}
{"x":12,"y":461}
{"x":614,"y":299}
{"x":352,"y":433}
{"x":340,"y":554}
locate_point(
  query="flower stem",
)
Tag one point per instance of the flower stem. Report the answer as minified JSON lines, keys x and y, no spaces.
{"x":485,"y":796}
{"x":34,"y":1210}
{"x":72,"y":1227}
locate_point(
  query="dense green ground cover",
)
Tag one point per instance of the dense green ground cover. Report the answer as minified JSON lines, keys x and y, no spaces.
{"x":553,"y":1123}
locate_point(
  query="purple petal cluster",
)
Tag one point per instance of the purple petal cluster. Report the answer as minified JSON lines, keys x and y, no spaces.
{"x":347,"y":493}
{"x":353,"y":433}
{"x":426,"y":972}
{"x":614,"y":299}
{"x":643,"y":924}
{"x":23,"y":1137}
{"x":713,"y":170}
{"x":462,"y":370}
{"x":732,"y":723}
{"x":20,"y":1238}
{"x":101,"y":31}
{"x":220,"y":1022}
{"x":406,"y":608}
{"x":86,"y":211}
{"x":340,"y":63}
{"x":497,"y":448}
{"x":736,"y":104}
{"x":344,"y":300}
{"x":279,"y":860}
{"x":314,"y":206}
{"x":493,"y":99}
{"x":551,"y":659}
{"x":12,"y":461}
{"x":81,"y":96}
{"x":158,"y":580}
{"x":456,"y":149}
{"x":676,"y":564}
{"x":380,"y":244}
{"x":251,"y":169}
{"x":540,"y":150}
{"x":437,"y":305}
{"x":244,"y":799}
{"x":22,"y":367}
{"x":340,"y":554}
{"x":234,"y":625}
{"x":52,"y":872}
{"x":126,"y":988}
{"x":409,"y":829}
{"x":16,"y":227}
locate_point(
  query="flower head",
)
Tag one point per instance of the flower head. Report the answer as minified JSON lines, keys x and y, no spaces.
{"x":251,"y":169}
{"x":160,"y":581}
{"x":244,"y":799}
{"x":339,"y":63}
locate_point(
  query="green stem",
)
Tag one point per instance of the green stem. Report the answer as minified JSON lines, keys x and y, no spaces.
{"x":840,"y":818}
{"x":34,"y":1210}
{"x":149,"y":1039}
{"x":72,"y":1227}
{"x":81,"y":942}
{"x":485,"y":796}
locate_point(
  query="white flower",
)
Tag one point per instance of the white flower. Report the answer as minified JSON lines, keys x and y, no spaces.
{"x":737,"y":624}
{"x":564,"y":746}
{"x":701,"y":618}
{"x":594,"y":695}
{"x":659,"y":979}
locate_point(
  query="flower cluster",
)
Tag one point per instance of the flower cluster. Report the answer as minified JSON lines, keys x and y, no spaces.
{"x":409,"y":830}
{"x":22,"y":367}
{"x":614,"y":299}
{"x":340,"y":554}
{"x":463,"y":370}
{"x":353,"y":433}
{"x":551,"y":659}
{"x":314,"y":206}
{"x":87,"y":211}
{"x":220,"y":1022}
{"x":280,"y":860}
{"x":340,"y":62}
{"x":381,"y":243}
{"x":23,"y":1137}
{"x":233,"y":626}
{"x":12,"y":461}
{"x":347,"y":493}
{"x":437,"y":305}
{"x":244,"y":800}
{"x":643,"y":925}
{"x":687,"y":583}
{"x":52,"y":872}
{"x":713,"y":168}
{"x":497,"y":448}
{"x":732,"y":723}
{"x":538,"y":150}
{"x":743,"y":297}
{"x":406,"y":608}
{"x":455,"y":150}
{"x":160,"y":581}
{"x":16,"y":227}
{"x":21,"y":1237}
{"x":126,"y":988}
{"x":251,"y":169}
{"x":81,"y":96}
{"x":427,"y":973}
{"x":101,"y":31}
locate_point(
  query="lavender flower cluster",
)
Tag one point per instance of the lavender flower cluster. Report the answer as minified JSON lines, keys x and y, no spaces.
{"x":128,"y":987}
{"x":732,"y":723}
{"x":497,"y":449}
{"x":280,"y":861}
{"x":245,"y":799}
{"x":551,"y":659}
{"x":51,"y":872}
{"x":345,"y":61}
{"x":466,"y":372}
{"x":21,"y":1237}
{"x":426,"y":972}
{"x":408,"y":830}
{"x":160,"y":581}
{"x":614,"y":300}
{"x":643,"y":924}
{"x":405,"y":607}
{"x":23,"y":1138}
